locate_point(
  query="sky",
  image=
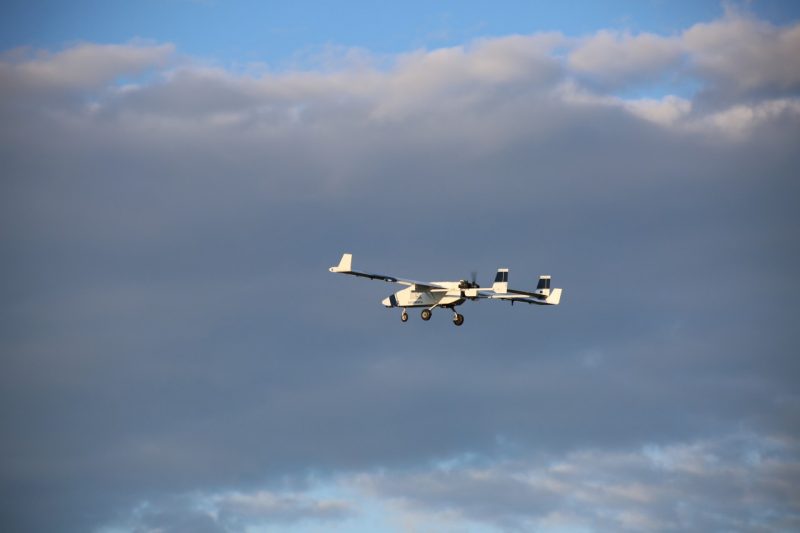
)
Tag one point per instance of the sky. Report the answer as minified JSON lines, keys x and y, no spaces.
{"x":178,"y":176}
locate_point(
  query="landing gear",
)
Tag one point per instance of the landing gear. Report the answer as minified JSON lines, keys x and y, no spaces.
{"x":404,"y":316}
{"x":426,"y":314}
{"x":458,"y":319}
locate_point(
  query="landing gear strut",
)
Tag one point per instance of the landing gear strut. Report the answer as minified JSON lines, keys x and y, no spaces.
{"x":426,"y":314}
{"x":404,"y":316}
{"x":458,"y":319}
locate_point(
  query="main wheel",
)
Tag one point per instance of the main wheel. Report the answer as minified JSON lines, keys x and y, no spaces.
{"x":458,"y":319}
{"x":404,"y":317}
{"x":426,"y":314}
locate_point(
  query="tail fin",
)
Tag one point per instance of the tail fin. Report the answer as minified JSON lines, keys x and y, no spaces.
{"x":500,"y":284}
{"x":345,"y":264}
{"x":554,"y":298}
{"x":543,"y":287}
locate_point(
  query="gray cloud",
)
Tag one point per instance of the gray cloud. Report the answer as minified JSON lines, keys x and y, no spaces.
{"x":170,"y":325}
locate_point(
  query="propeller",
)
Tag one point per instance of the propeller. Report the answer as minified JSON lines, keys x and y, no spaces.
{"x":471,"y":284}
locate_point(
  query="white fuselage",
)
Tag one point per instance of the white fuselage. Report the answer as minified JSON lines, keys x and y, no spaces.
{"x":449,"y":296}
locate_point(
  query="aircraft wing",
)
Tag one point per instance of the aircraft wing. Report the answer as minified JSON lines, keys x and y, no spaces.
{"x":345,"y":266}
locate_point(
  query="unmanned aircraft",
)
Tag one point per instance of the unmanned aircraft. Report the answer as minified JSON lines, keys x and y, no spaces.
{"x":449,"y":294}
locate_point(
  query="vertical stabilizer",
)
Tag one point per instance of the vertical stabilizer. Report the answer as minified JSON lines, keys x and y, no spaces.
{"x":543,"y":287}
{"x":345,"y":264}
{"x":500,"y":284}
{"x":554,"y":298}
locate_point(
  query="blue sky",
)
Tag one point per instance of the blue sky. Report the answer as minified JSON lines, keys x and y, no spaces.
{"x":249,"y":31}
{"x":175,"y":355}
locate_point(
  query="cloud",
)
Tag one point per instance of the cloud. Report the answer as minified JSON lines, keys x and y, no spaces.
{"x":229,"y":512}
{"x":735,"y":54}
{"x":666,"y":111}
{"x":619,"y":59}
{"x":464,"y":77}
{"x":745,"y":55}
{"x":738,"y":481}
{"x":460,"y":83}
{"x":267,"y":506}
{"x":83,"y":66}
{"x":171,"y":329}
{"x":740,"y":120}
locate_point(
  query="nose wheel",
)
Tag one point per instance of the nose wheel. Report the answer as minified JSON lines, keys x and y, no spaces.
{"x":458,"y":319}
{"x":404,"y":316}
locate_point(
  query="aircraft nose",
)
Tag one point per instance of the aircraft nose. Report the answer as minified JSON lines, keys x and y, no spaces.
{"x":386,"y":302}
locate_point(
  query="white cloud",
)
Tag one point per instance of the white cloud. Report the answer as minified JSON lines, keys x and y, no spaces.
{"x":85,"y":65}
{"x":733,"y":123}
{"x":737,"y":121}
{"x":744,"y":52}
{"x":618,"y":59}
{"x":666,"y":111}
{"x":452,"y":90}
{"x":737,"y":52}
{"x":460,"y":77}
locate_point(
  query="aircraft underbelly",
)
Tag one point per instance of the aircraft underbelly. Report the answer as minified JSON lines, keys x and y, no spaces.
{"x":426,"y":299}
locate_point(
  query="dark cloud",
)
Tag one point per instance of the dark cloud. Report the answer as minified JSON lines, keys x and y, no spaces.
{"x":170,"y":326}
